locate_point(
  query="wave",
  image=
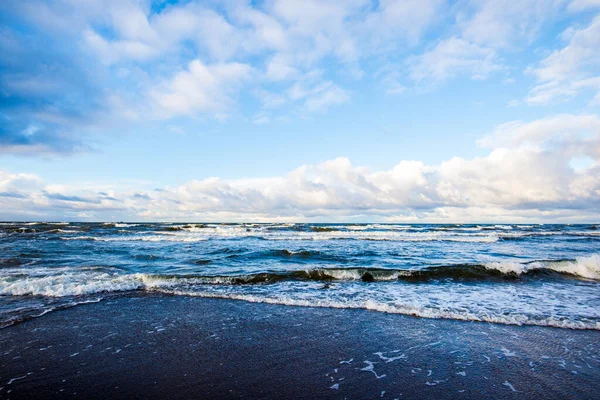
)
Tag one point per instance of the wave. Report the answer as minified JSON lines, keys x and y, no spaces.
{"x":197,"y":232}
{"x":66,"y":281}
{"x":404,"y":309}
{"x":291,"y":253}
{"x":25,"y":314}
{"x":323,"y":229}
{"x":495,"y":227}
{"x":141,"y":238}
{"x":64,"y":231}
{"x":584,"y":267}
{"x":122,"y":225}
{"x":433,"y":292}
{"x":202,"y":234}
{"x":286,"y":255}
{"x":179,"y":236}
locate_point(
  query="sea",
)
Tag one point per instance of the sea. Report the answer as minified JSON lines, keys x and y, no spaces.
{"x":545,"y":275}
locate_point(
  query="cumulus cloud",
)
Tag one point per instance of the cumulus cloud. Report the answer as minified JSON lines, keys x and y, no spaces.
{"x":199,"y":88}
{"x":527,"y":176}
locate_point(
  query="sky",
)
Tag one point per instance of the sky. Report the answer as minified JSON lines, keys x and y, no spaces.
{"x":400,"y":111}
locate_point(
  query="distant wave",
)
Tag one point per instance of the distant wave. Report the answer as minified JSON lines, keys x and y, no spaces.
{"x":177,"y":236}
{"x":197,"y":232}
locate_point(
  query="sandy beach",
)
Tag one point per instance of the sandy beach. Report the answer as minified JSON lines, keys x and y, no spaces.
{"x":159,"y":346}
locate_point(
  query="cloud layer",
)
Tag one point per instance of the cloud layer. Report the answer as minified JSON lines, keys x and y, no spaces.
{"x":74,"y":70}
{"x":542,"y":170}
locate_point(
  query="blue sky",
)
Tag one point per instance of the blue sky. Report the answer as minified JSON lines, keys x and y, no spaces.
{"x":358,"y":110}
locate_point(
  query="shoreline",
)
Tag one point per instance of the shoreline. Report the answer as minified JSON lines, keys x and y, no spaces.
{"x":154,"y":345}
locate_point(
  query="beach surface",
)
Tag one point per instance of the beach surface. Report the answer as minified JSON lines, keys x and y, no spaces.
{"x":161,"y":346}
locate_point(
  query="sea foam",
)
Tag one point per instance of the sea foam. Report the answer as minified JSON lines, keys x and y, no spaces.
{"x":585,"y":267}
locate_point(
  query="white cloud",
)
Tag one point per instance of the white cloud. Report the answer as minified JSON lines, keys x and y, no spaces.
{"x":504,"y":23}
{"x":115,"y":51}
{"x":279,"y":69}
{"x":199,"y":89}
{"x":528,"y":175}
{"x":453,"y":57}
{"x":393,"y":87}
{"x":323,"y":96}
{"x":402,"y":19}
{"x":287,"y":39}
{"x":484,"y":29}
{"x":582,"y":5}
{"x":10,"y":182}
{"x":310,"y":93}
{"x":561,"y":129}
{"x":261,"y":120}
{"x":270,"y":99}
{"x":571,"y":69}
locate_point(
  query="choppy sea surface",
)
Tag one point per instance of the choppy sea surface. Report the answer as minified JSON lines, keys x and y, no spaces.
{"x":546,"y":275}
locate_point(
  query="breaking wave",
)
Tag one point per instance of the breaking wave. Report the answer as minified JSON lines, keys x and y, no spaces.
{"x":477,"y":292}
{"x":473,"y":272}
{"x":66,"y":281}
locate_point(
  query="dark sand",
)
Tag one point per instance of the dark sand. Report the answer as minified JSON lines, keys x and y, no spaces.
{"x":154,"y":346}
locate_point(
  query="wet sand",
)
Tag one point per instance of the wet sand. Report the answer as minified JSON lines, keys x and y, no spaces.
{"x":158,"y":346}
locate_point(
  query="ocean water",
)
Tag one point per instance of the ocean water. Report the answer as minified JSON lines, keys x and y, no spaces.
{"x":546,"y":275}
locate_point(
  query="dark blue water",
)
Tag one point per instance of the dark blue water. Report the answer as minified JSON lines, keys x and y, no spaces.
{"x":512,"y":274}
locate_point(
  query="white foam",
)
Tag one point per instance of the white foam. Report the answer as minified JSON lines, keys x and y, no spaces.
{"x":162,"y":237}
{"x":585,"y":267}
{"x":509,"y":385}
{"x":66,"y":230}
{"x":440,"y":311}
{"x":347,"y":274}
{"x":507,"y":267}
{"x":371,"y":368}
{"x":227,"y":232}
{"x":67,"y":281}
{"x":68,"y":284}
